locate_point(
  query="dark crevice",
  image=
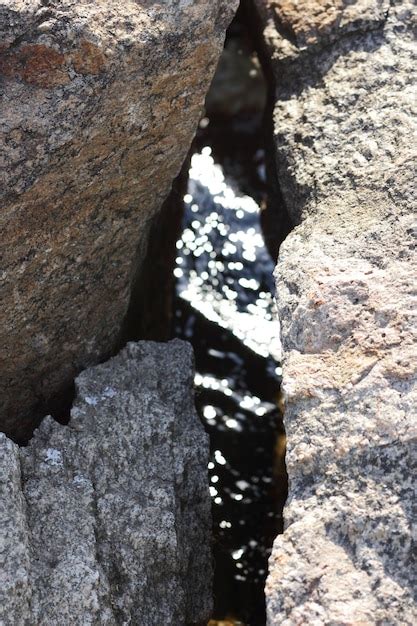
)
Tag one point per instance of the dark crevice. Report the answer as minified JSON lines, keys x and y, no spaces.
{"x":58,"y":406}
{"x":150,"y":309}
{"x":276,"y":220}
{"x":247,"y":461}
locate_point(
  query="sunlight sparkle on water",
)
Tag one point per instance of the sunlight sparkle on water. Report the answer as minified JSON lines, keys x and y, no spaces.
{"x":209,"y":412}
{"x":224,"y":275}
{"x":217,"y":251}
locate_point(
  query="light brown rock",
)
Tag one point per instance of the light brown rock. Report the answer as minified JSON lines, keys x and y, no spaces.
{"x":99,"y":103}
{"x":302,"y":23}
{"x":344,"y":118}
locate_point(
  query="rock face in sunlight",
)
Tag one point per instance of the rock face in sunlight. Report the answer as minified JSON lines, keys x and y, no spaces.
{"x":346,"y":282}
{"x":107,"y":521}
{"x":100,"y":103}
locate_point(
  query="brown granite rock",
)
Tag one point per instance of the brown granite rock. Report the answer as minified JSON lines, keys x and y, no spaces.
{"x":303,"y":23}
{"x":98,"y":108}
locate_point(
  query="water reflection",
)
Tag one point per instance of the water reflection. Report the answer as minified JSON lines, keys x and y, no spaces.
{"x":217,"y":253}
{"x":225,"y":307}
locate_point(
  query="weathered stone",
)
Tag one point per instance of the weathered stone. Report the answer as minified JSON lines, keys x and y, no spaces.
{"x":344,"y":118}
{"x":99,"y":104}
{"x":107,"y":521}
{"x":295,"y":25}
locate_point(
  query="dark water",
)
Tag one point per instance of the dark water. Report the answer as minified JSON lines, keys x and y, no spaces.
{"x":225,"y":308}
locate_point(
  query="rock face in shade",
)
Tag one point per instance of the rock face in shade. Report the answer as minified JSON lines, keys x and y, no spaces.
{"x":99,"y":105}
{"x":107,"y":520}
{"x":346,"y":280}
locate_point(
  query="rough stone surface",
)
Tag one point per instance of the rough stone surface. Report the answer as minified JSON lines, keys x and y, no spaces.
{"x":107,"y":521}
{"x":346,"y":275}
{"x":99,"y":103}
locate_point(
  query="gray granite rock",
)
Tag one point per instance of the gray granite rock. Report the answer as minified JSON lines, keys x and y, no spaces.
{"x":99,"y":104}
{"x":346,"y":275}
{"x":107,"y":520}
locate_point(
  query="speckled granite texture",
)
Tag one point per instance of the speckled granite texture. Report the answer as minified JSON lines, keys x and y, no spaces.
{"x":99,"y":103}
{"x":107,"y":520}
{"x":344,"y":121}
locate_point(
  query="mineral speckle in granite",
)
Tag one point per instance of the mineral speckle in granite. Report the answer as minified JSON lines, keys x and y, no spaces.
{"x":107,"y":520}
{"x":100,"y":101}
{"x":344,"y":118}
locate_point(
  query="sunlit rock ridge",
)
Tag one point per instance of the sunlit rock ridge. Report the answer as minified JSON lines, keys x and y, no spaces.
{"x":344,"y":120}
